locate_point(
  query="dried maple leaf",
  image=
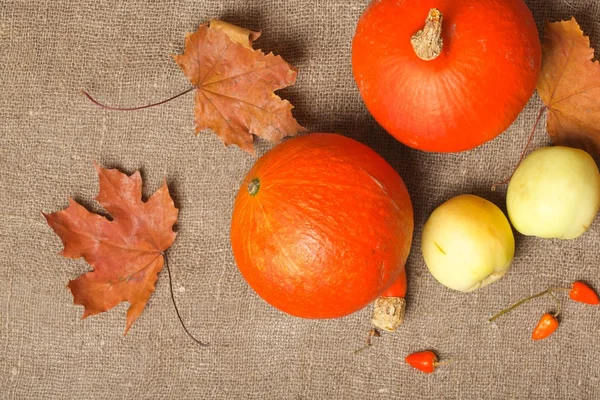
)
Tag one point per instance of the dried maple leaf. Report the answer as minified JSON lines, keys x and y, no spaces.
{"x":569,"y":86}
{"x":127,"y":252}
{"x":235,"y":86}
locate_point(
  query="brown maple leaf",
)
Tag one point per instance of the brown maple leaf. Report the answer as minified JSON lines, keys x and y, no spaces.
{"x":235,"y":86}
{"x":127,"y":252}
{"x":569,"y":86}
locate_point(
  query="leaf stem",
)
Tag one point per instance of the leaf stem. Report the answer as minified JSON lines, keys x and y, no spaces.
{"x":535,"y":125}
{"x":362,"y":349}
{"x":372,"y":333}
{"x":86,"y":94}
{"x":557,"y":303}
{"x":175,"y":304}
{"x":535,"y":296}
{"x":525,"y":300}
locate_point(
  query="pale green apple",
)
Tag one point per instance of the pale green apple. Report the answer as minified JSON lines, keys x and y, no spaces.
{"x":555,"y":193}
{"x":467,"y":243}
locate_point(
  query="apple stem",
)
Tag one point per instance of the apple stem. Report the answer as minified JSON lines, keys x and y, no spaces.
{"x":537,"y":121}
{"x":175,"y":304}
{"x":86,"y":94}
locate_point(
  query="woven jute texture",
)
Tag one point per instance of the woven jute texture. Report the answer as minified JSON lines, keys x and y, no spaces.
{"x":121,"y":52}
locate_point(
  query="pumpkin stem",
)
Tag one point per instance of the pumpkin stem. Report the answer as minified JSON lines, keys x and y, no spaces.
{"x":428,"y":42}
{"x":389,"y":313}
{"x":253,"y":186}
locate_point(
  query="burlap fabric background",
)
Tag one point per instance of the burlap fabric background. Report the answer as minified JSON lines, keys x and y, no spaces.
{"x":120,"y":51}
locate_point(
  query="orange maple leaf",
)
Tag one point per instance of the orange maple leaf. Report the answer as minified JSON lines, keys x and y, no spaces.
{"x":569,"y":86}
{"x":235,"y":86}
{"x":127,"y":252}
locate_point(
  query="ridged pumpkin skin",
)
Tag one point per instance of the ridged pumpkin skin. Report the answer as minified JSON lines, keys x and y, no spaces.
{"x":328,"y":230}
{"x":470,"y":93}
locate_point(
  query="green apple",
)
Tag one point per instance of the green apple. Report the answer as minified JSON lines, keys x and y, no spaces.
{"x":555,"y":193}
{"x":467,"y":243}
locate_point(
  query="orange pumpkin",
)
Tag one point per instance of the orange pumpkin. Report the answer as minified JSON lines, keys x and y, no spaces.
{"x":446,"y":75}
{"x":322,"y":226}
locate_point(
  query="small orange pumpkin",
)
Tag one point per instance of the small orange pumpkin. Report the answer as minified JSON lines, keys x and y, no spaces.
{"x":322,"y":226}
{"x":446,"y":75}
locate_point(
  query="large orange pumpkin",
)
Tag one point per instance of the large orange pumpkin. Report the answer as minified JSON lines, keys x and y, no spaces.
{"x":322,"y":226}
{"x":446,"y":75}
